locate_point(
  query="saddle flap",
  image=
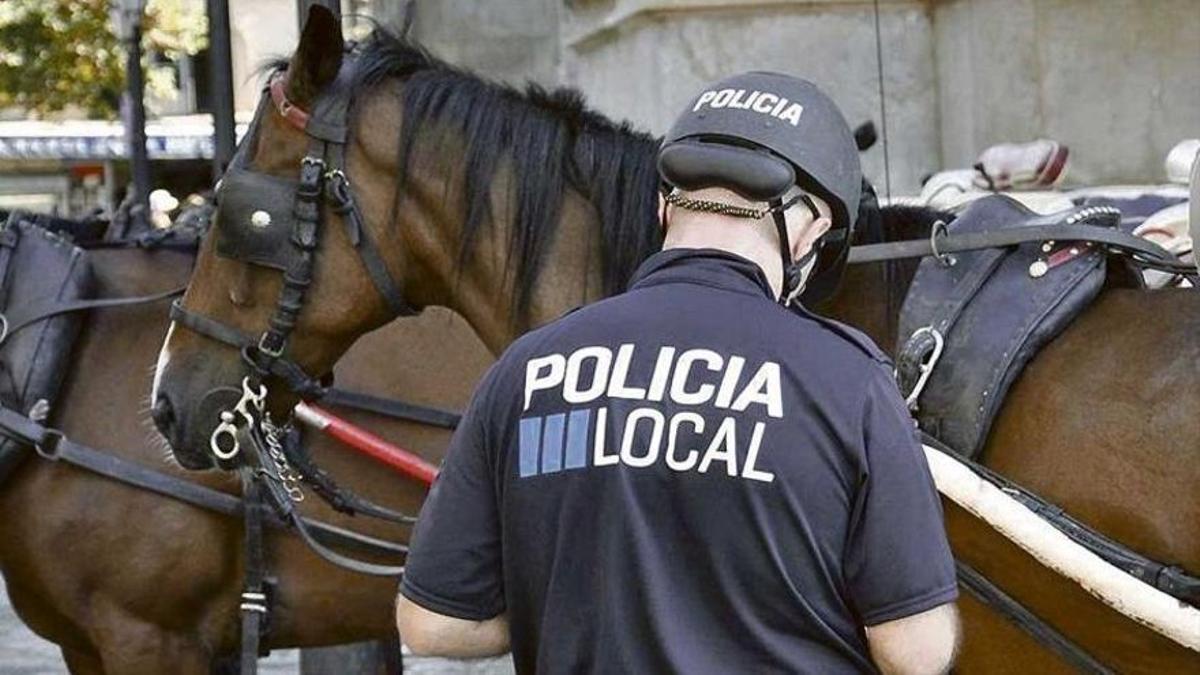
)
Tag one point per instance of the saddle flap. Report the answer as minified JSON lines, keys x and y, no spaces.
{"x":992,"y":311}
{"x":38,"y":269}
{"x":254,"y":218}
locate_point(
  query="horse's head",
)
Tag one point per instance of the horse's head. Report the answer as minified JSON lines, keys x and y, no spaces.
{"x":464,"y":193}
{"x":283,"y":268}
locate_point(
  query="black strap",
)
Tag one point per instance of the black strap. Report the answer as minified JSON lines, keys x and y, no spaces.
{"x":8,"y":243}
{"x":254,"y":605}
{"x":390,"y":407}
{"x":310,"y":387}
{"x":335,"y":558}
{"x":297,"y":278}
{"x":344,"y":501}
{"x":285,"y":369}
{"x":787,"y":265}
{"x":209,"y":328}
{"x":1144,"y":250}
{"x":41,"y":312}
{"x":268,"y":476}
{"x":51,"y":444}
{"x":1033,"y":625}
{"x":343,"y":204}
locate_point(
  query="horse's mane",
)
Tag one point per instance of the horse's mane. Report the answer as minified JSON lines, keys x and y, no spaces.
{"x":548,"y":140}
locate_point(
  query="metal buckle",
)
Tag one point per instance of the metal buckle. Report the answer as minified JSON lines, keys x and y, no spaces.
{"x":3,"y":328}
{"x":229,"y":420}
{"x":273,"y":353}
{"x":927,"y":365}
{"x":48,"y":447}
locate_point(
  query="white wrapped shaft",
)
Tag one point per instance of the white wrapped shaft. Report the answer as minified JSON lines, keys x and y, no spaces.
{"x":1134,"y":598}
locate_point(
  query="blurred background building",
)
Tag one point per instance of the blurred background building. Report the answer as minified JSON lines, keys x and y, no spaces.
{"x":1116,"y":80}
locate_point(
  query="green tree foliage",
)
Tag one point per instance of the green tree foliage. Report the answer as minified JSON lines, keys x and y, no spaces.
{"x":60,"y":54}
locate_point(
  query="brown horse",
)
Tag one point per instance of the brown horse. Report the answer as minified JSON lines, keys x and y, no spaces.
{"x":130,"y":582}
{"x":499,"y":205}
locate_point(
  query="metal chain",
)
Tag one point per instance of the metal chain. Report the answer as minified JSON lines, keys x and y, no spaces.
{"x":706,"y":206}
{"x":287,"y":477}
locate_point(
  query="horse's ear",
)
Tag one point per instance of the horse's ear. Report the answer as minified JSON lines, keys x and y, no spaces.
{"x":319,"y":56}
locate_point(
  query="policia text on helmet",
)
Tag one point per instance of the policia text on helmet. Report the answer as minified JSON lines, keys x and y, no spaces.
{"x":762,"y":135}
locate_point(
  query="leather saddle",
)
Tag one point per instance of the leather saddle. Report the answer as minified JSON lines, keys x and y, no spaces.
{"x":973,"y":320}
{"x":37,"y":268}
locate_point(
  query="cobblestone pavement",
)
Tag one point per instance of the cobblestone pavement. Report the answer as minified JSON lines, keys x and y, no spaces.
{"x":23,"y":653}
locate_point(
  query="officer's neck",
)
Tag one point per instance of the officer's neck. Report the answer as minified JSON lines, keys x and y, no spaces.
{"x":752,"y":240}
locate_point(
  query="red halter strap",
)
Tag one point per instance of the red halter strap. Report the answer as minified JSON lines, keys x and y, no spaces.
{"x":291,"y":112}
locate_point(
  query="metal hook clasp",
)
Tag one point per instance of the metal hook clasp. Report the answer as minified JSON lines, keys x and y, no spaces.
{"x":230,"y":422}
{"x":946,"y":260}
{"x":927,"y":365}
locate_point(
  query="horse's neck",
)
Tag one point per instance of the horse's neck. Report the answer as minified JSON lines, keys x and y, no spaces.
{"x":481,"y":289}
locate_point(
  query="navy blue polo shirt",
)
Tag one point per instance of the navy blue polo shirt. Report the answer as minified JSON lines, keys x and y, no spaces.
{"x":685,"y":478}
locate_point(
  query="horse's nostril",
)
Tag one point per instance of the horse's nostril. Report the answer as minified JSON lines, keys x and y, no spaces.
{"x":163,"y":414}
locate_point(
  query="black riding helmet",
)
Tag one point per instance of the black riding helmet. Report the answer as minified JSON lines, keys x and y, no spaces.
{"x":759,"y":134}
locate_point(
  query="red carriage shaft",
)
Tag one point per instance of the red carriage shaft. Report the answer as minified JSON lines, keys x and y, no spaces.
{"x":404,"y":461}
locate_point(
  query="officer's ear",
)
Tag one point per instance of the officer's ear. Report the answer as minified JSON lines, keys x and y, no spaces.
{"x":804,"y":229}
{"x":809,"y":235}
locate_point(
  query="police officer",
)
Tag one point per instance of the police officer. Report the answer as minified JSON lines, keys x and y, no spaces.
{"x":690,"y":477}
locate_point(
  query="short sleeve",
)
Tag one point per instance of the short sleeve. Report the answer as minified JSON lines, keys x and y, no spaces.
{"x":454,"y":559}
{"x":898,"y":562}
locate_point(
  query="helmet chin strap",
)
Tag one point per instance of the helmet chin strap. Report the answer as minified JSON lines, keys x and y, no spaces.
{"x":793,"y":270}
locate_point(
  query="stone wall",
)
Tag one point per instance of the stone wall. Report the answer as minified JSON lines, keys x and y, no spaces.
{"x":643,"y":60}
{"x":515,"y":40}
{"x":1116,"y":80}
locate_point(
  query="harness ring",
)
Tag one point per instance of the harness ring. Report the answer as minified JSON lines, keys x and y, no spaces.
{"x":945,"y":259}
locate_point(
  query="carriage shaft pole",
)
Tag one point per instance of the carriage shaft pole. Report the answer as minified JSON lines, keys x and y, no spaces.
{"x":404,"y":461}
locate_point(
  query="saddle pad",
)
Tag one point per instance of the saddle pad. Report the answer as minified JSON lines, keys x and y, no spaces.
{"x":993,"y":310}
{"x":37,"y":269}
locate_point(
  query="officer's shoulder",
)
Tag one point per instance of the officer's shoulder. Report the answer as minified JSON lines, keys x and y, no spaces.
{"x":837,"y":330}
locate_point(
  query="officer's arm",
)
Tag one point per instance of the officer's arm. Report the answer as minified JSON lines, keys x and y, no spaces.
{"x":427,"y":633}
{"x":921,"y":644}
{"x":452,"y":595}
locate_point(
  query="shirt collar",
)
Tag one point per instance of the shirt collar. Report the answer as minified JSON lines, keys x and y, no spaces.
{"x":705,"y":266}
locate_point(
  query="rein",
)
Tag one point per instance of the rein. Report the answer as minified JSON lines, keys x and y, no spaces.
{"x":941,"y":244}
{"x":53,"y":445}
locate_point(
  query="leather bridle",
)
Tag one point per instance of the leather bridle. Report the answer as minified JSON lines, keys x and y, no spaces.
{"x":322,"y":182}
